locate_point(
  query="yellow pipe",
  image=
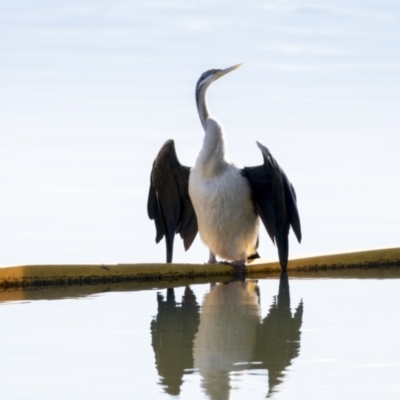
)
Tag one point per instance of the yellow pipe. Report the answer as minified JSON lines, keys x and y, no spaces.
{"x":366,"y":259}
{"x":56,"y":275}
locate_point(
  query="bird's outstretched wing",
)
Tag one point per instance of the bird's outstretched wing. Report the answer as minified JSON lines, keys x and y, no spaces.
{"x":275,"y":202}
{"x":169,"y":203}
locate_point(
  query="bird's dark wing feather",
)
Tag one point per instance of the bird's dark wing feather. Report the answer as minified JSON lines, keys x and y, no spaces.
{"x":169,"y":203}
{"x":274,"y":201}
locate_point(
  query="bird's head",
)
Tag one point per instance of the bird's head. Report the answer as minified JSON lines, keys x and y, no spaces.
{"x":212,"y":75}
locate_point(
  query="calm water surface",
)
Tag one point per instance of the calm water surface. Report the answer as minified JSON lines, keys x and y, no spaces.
{"x":285,"y":339}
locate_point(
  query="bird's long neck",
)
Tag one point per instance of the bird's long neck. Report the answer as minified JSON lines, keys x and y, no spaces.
{"x":211,"y":159}
{"x":201,"y":102}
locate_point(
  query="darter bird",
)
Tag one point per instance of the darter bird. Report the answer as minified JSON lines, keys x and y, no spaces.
{"x":221,"y":199}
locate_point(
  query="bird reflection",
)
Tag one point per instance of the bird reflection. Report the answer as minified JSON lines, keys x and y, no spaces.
{"x":278,"y":337}
{"x":229,"y":335}
{"x":172,"y":334}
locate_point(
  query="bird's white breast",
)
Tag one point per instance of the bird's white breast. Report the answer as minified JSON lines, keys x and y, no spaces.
{"x":227,"y":222}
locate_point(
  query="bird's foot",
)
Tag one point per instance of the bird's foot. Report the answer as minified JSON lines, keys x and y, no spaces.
{"x":238,"y":271}
{"x":238,"y":266}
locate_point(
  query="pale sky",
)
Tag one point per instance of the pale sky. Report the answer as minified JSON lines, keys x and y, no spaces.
{"x":91,"y":90}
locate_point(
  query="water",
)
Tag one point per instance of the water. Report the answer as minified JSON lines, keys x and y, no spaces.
{"x":302,"y":338}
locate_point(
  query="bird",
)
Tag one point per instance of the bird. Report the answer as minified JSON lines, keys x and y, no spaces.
{"x":220,"y":199}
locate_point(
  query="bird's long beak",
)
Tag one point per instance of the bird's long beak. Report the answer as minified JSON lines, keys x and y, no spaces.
{"x":227,"y":70}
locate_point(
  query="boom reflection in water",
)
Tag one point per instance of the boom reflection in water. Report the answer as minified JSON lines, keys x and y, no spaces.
{"x":229,"y":335}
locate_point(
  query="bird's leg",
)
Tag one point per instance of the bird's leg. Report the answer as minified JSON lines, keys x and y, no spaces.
{"x":238,"y":265}
{"x":212,"y":259}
